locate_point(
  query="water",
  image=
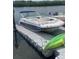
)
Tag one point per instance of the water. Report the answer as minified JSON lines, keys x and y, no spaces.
{"x":42,"y":10}
{"x":23,"y":52}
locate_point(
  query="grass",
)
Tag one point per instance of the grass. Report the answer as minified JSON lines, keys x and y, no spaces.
{"x":36,"y":4}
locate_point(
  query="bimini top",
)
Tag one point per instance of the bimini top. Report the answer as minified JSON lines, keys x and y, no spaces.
{"x":26,"y":11}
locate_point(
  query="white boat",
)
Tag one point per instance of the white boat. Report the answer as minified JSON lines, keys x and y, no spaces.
{"x":38,"y":22}
{"x":61,"y":17}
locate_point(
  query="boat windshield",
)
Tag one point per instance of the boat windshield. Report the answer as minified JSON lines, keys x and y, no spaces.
{"x":25,"y":14}
{"x":30,"y":14}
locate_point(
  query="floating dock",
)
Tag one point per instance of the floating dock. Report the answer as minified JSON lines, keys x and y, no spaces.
{"x":38,"y":39}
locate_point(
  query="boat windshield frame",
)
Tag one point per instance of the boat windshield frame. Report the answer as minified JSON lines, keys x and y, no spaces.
{"x":29,"y":14}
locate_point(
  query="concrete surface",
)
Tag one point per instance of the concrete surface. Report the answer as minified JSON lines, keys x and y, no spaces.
{"x":24,"y":51}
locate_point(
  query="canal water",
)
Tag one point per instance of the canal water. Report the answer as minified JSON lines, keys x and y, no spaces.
{"x":41,"y":10}
{"x":26,"y":52}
